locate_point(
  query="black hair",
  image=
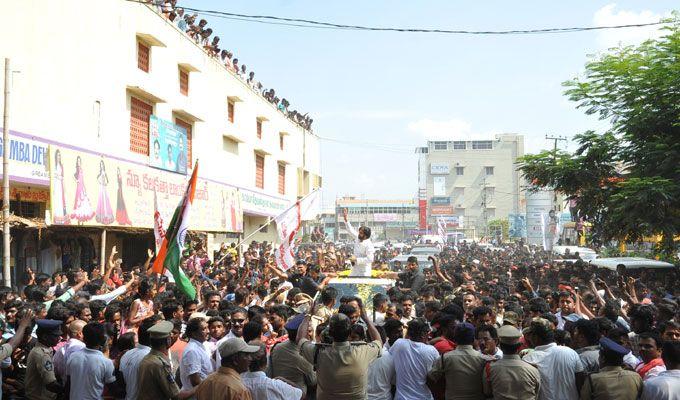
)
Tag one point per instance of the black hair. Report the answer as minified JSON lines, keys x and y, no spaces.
{"x":654,"y":336}
{"x":481,"y":310}
{"x":510,"y":348}
{"x":544,"y":333}
{"x":170,"y":307}
{"x":367,"y":231}
{"x":455,"y":311}
{"x":589,"y":329}
{"x":563,"y":338}
{"x":487,"y":328}
{"x":142,"y":332}
{"x":347,"y":309}
{"x":255,"y":310}
{"x":339,"y":327}
{"x":418,"y":329}
{"x":126,"y":342}
{"x":329,"y":293}
{"x":281,"y":310}
{"x":671,"y":353}
{"x":94,"y":335}
{"x":252,"y":330}
{"x":194,"y":326}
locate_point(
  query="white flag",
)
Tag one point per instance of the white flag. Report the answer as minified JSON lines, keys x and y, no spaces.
{"x":441,"y":229}
{"x":288,"y":225}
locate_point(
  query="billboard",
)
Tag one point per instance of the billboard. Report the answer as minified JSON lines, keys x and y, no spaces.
{"x":538,"y":203}
{"x":441,"y":210}
{"x":27,"y":160}
{"x":440,"y":169}
{"x":387,"y":217}
{"x":167,"y":145}
{"x":517,"y":225}
{"x":441,"y":200}
{"x":439,"y":185}
{"x":94,"y":190}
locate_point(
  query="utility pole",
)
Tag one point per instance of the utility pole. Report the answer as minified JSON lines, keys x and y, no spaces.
{"x":555,"y":139}
{"x":7,"y":281}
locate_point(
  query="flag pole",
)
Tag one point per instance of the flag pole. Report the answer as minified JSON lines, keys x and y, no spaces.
{"x":269,"y":221}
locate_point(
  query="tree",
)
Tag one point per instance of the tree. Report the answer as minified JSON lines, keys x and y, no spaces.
{"x":626,"y":180}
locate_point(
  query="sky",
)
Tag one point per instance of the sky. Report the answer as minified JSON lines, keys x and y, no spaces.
{"x":376,"y":96}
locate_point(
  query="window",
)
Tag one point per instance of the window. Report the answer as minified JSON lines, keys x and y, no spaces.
{"x":490,"y":192}
{"x":460,"y":171}
{"x":183,"y":82}
{"x":440,"y":145}
{"x":186,"y":125}
{"x":142,"y":56}
{"x":259,"y":129}
{"x":459,"y":145}
{"x":139,"y":125}
{"x":259,"y":171}
{"x":230,"y":111}
{"x":488,"y":170}
{"x":229,"y":145}
{"x":282,"y":178}
{"x":482,"y":145}
{"x":281,"y":135}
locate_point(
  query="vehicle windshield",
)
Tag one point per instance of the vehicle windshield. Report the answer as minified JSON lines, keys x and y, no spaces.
{"x":364,"y":290}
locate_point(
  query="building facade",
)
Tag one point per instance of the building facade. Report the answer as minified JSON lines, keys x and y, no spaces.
{"x":469,"y":183}
{"x":393,"y":220}
{"x":113,"y":105}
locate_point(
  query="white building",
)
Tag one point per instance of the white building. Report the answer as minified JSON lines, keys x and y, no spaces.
{"x":469,"y":183}
{"x":91,"y":73}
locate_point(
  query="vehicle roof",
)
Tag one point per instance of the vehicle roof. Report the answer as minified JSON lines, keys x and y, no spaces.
{"x":364,"y":281}
{"x":635,"y":262}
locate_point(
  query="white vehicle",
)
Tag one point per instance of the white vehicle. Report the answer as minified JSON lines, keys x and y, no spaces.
{"x":430,"y":240}
{"x":364,"y":288}
{"x":621,"y":264}
{"x":584,"y":253}
{"x":429,"y":250}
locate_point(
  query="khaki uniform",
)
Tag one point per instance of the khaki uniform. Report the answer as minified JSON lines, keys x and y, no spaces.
{"x":323,"y":312}
{"x":510,"y":378}
{"x":341,"y":368}
{"x":285,"y":361}
{"x":461,"y":368}
{"x":156,"y":380}
{"x":223,"y":384}
{"x":612,"y":383}
{"x":40,"y":373}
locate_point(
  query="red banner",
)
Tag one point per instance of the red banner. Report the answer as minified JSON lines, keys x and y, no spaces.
{"x":422,"y":208}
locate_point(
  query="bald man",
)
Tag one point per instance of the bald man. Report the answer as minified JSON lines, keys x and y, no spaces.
{"x":75,"y":343}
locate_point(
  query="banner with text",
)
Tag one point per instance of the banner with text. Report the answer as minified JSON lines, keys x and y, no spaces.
{"x":167,"y":142}
{"x":92,"y":190}
{"x":27,"y":160}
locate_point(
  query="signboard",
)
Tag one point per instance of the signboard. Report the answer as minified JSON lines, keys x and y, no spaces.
{"x":441,"y":210}
{"x":91,"y":190}
{"x":538,"y":203}
{"x":263,"y":204}
{"x":400,"y":224}
{"x":452,"y":221}
{"x":422,"y":213}
{"x":28,"y":160}
{"x":28,"y":194}
{"x":386,"y":217}
{"x":439,"y":185}
{"x":167,"y":145}
{"x":441,"y":200}
{"x":440,"y":169}
{"x":517,"y":225}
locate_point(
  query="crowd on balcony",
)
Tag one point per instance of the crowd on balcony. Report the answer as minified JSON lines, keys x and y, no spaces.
{"x":202,"y":35}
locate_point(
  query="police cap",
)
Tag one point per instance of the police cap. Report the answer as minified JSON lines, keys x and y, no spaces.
{"x":161,"y":330}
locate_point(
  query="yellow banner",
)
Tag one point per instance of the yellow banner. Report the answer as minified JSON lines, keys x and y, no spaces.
{"x":91,"y":190}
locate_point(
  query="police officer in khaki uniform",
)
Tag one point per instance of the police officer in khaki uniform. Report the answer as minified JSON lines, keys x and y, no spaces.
{"x":510,"y":378}
{"x":41,"y":382}
{"x":341,"y":367}
{"x":612,"y":382}
{"x":156,"y":380}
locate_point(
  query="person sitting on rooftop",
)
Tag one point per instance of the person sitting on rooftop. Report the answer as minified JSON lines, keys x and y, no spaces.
{"x":213,"y":47}
{"x":205,"y":37}
{"x":180,"y":19}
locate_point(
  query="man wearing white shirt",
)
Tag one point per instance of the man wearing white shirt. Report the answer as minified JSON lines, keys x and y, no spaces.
{"x":263,"y":388}
{"x":363,"y":249}
{"x":195,"y":365}
{"x":666,"y":385}
{"x":561,"y":369}
{"x":88,"y":370}
{"x":381,"y":375}
{"x":129,"y":363}
{"x":413,"y":359}
{"x":75,"y":343}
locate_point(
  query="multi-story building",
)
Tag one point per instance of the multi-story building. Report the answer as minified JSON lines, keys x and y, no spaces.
{"x":469,"y":183}
{"x":388,"y":219}
{"x":111,"y":107}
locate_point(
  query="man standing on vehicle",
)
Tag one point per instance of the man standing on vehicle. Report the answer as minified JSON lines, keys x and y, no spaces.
{"x":363,"y":249}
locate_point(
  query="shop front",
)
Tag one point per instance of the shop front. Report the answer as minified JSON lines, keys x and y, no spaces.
{"x":258,"y":211}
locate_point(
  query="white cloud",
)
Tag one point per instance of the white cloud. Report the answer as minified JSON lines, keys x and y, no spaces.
{"x":610,"y":16}
{"x":452,"y":129}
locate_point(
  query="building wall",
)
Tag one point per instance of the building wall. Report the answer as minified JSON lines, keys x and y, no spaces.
{"x":76,"y":80}
{"x":475,"y":195}
{"x":388,"y":219}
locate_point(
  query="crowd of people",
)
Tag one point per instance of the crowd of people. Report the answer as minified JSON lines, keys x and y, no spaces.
{"x":196,"y":28}
{"x":478,"y":324}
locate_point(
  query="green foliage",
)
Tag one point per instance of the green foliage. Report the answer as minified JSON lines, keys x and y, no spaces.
{"x":627,"y":179}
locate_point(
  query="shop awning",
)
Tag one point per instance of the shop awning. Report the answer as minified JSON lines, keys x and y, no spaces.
{"x":16,"y":221}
